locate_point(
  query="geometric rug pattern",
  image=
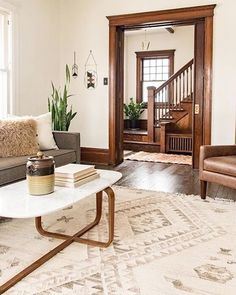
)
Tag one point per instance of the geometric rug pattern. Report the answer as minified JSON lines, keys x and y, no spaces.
{"x":160,"y":158}
{"x":164,"y":244}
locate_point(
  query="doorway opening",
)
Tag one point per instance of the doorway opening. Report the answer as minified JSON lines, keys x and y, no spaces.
{"x":159,"y":58}
{"x":201,"y":17}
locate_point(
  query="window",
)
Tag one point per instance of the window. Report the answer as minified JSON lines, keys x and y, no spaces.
{"x":5,"y":64}
{"x":153,"y":69}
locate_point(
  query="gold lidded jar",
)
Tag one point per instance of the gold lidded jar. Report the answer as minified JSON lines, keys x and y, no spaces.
{"x":40,"y":174}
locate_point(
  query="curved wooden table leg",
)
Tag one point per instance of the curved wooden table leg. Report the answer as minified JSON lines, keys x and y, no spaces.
{"x":111,"y":213}
{"x":43,"y":232}
{"x":36,"y":264}
{"x":68,"y":239}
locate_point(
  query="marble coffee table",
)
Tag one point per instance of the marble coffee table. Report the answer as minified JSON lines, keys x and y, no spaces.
{"x":15,"y":202}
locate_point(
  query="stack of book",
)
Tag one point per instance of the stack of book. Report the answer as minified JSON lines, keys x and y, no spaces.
{"x":74,"y":175}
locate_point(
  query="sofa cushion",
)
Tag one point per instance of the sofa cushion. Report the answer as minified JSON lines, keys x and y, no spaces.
{"x":223,"y":165}
{"x":13,"y":168}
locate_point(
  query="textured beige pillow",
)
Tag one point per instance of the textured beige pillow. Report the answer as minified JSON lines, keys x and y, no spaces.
{"x":44,"y":130}
{"x":18,"y":138}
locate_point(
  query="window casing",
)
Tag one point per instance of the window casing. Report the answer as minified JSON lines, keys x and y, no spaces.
{"x":5,"y":64}
{"x":153,"y":69}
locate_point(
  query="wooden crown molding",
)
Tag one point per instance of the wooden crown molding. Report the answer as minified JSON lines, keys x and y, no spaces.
{"x":168,"y":15}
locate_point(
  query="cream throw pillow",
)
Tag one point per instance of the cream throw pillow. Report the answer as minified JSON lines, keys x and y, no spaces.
{"x":18,"y":138}
{"x":44,"y":130}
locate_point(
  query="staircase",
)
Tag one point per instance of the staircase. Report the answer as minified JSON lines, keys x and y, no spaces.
{"x":170,"y":112}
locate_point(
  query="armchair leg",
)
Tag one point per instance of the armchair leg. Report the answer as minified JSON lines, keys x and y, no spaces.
{"x":203,"y":189}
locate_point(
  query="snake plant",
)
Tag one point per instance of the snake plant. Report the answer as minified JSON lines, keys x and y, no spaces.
{"x":57,"y":105}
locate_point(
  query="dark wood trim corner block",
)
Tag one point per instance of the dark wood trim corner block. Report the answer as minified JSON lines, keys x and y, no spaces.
{"x":94,"y":156}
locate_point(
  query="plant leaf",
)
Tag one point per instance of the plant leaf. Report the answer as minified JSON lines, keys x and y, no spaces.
{"x":57,"y":105}
{"x":67,"y":74}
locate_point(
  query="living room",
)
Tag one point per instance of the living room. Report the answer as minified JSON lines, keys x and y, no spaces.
{"x":167,"y":240}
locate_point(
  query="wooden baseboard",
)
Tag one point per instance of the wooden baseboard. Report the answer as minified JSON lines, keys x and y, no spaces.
{"x":142,"y":146}
{"x":94,"y":156}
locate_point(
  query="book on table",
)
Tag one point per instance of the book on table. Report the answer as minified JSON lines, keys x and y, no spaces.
{"x":74,"y":175}
{"x":73,"y":170}
{"x":78,"y":182}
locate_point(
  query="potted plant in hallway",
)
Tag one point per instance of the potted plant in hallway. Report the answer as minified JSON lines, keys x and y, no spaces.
{"x":133,"y":111}
{"x":57,"y":105}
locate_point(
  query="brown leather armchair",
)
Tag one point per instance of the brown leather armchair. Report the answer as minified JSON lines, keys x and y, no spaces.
{"x":217,"y":164}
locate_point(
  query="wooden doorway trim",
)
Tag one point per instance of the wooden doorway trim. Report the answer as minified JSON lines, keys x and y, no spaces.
{"x":117,"y":25}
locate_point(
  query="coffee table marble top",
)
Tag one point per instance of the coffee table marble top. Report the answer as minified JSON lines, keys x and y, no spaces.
{"x":15,"y":202}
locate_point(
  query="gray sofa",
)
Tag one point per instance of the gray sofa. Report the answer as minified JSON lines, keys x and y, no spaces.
{"x":13,"y":168}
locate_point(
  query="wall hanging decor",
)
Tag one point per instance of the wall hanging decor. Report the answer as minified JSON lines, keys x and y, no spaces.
{"x":74,"y":71}
{"x":145,"y":43}
{"x":90,"y":77}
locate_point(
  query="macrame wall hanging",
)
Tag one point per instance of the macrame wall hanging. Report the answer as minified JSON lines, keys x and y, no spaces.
{"x":75,"y":68}
{"x":91,"y":77}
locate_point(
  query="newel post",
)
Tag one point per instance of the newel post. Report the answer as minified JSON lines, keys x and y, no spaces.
{"x":163,"y":137}
{"x":151,"y":113}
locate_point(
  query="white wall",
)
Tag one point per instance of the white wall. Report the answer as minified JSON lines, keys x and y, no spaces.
{"x":37,"y":51}
{"x":84,"y":26}
{"x":182,"y":41}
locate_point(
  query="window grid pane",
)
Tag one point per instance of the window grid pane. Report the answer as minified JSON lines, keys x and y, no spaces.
{"x":155,"y":73}
{"x":3,"y":94}
{"x":155,"y":69}
{"x":5,"y":65}
{"x":2,"y":42}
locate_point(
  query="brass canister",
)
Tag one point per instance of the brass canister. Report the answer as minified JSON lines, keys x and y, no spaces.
{"x":40,"y":174}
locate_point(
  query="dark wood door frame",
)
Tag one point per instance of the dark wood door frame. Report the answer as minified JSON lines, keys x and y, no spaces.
{"x":191,"y":15}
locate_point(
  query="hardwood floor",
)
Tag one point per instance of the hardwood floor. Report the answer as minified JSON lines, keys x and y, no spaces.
{"x":168,"y":178}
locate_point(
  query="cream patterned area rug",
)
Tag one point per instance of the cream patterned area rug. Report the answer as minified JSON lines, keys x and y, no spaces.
{"x":165,"y":244}
{"x":160,"y":157}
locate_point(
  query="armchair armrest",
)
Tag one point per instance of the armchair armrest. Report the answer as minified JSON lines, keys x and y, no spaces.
{"x":68,"y":140}
{"x":208,"y":151}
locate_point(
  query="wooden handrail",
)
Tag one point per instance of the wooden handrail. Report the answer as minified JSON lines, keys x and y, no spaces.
{"x":166,"y":98}
{"x":174,"y":76}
